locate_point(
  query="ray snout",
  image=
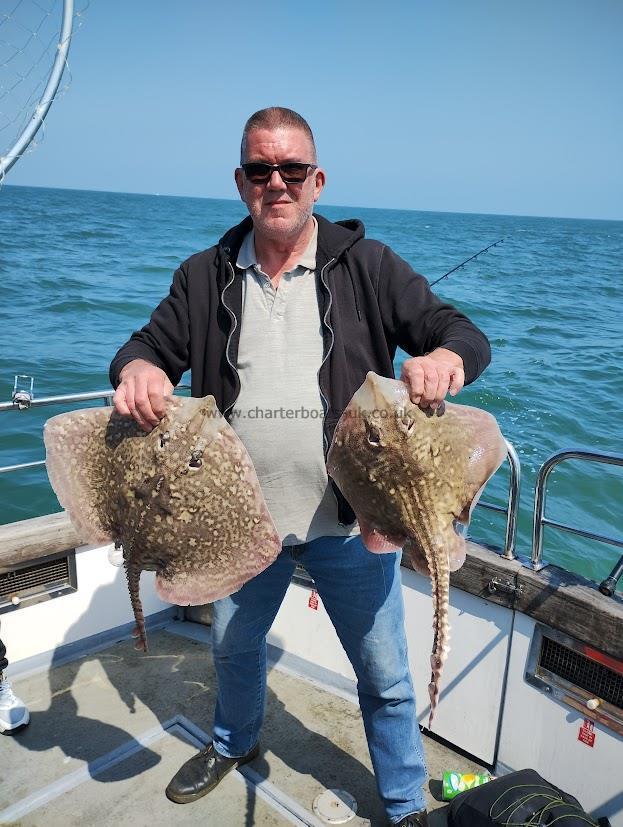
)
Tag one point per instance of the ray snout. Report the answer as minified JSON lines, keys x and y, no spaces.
{"x":378,"y":393}
{"x":205,"y":418}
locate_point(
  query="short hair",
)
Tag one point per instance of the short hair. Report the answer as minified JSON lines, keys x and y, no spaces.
{"x":275,"y":117}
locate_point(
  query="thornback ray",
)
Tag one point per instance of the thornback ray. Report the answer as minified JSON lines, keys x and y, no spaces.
{"x":413,"y":478}
{"x":183,"y":500}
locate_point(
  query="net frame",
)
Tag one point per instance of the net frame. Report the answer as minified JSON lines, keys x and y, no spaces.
{"x":47,"y":97}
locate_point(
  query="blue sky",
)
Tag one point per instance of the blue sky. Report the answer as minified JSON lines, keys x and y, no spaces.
{"x":497,"y":107}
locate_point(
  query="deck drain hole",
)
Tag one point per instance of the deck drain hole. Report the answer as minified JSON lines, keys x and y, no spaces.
{"x":335,"y":806}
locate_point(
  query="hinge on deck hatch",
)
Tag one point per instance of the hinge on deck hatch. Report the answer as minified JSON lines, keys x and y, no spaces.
{"x":506,"y":586}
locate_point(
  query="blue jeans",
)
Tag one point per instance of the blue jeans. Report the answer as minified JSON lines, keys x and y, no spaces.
{"x":362,"y":594}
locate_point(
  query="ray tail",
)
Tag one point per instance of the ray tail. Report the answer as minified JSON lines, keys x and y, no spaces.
{"x":134,"y":575}
{"x":440,"y":589}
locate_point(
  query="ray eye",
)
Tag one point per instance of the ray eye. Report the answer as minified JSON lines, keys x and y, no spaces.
{"x":164,"y":438}
{"x":195,"y":459}
{"x":374,"y":436}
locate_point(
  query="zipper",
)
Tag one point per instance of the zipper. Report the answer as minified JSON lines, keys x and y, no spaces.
{"x":325,"y":402}
{"x":323,"y":398}
{"x":231,"y":333}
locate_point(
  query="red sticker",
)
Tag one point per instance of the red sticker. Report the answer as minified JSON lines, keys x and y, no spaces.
{"x":587,"y":733}
{"x":313,"y":600}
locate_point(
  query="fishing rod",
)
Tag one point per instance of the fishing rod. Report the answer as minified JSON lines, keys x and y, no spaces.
{"x":471,"y":258}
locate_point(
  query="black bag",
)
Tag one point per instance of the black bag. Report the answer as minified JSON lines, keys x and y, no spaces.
{"x":520,"y":799}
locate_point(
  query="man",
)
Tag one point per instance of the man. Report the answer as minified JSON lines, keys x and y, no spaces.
{"x":291,"y":311}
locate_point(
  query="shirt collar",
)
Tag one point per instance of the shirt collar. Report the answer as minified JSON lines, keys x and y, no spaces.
{"x":247,"y":258}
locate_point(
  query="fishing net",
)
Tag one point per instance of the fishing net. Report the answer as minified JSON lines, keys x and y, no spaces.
{"x":34,"y":42}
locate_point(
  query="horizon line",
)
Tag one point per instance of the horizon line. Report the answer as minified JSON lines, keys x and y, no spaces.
{"x":340,"y":206}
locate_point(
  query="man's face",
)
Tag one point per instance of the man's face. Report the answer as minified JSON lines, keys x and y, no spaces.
{"x":279,"y":211}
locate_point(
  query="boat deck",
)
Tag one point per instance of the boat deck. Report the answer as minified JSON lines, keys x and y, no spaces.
{"x":108,"y":730}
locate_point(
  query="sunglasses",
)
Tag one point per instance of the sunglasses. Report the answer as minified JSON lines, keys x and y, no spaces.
{"x":293,"y":172}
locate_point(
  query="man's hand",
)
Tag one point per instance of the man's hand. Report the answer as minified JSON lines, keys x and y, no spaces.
{"x":430,"y":377}
{"x":141,"y":393}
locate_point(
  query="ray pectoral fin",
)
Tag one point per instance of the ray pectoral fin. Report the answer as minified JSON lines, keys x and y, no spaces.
{"x":487,"y":455}
{"x":79,"y":466}
{"x":194,"y":585}
{"x":457,"y":533}
{"x":462,"y":520}
{"x":206,"y":572}
{"x":375,"y":541}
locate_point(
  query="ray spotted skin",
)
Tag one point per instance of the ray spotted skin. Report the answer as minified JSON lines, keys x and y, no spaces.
{"x":413,"y":478}
{"x":182,"y":500}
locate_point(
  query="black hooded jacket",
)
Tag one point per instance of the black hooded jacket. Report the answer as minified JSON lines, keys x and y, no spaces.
{"x":370,"y":301}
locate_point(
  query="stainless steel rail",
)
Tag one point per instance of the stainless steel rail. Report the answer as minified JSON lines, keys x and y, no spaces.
{"x":106,"y":396}
{"x":540,"y":520}
{"x":63,"y":399}
{"x":4,"y":469}
{"x":510,"y":539}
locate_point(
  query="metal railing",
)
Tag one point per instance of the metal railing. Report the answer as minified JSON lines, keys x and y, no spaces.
{"x":22,"y":402}
{"x":540,"y":520}
{"x":510,"y":538}
{"x":88,"y":396}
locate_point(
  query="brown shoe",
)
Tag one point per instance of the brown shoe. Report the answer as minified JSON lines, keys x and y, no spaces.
{"x":202,"y":773}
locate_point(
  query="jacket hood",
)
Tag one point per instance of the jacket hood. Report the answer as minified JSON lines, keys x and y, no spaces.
{"x":334,"y":238}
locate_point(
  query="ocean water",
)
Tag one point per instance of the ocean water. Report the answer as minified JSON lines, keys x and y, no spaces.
{"x":79,"y":271}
